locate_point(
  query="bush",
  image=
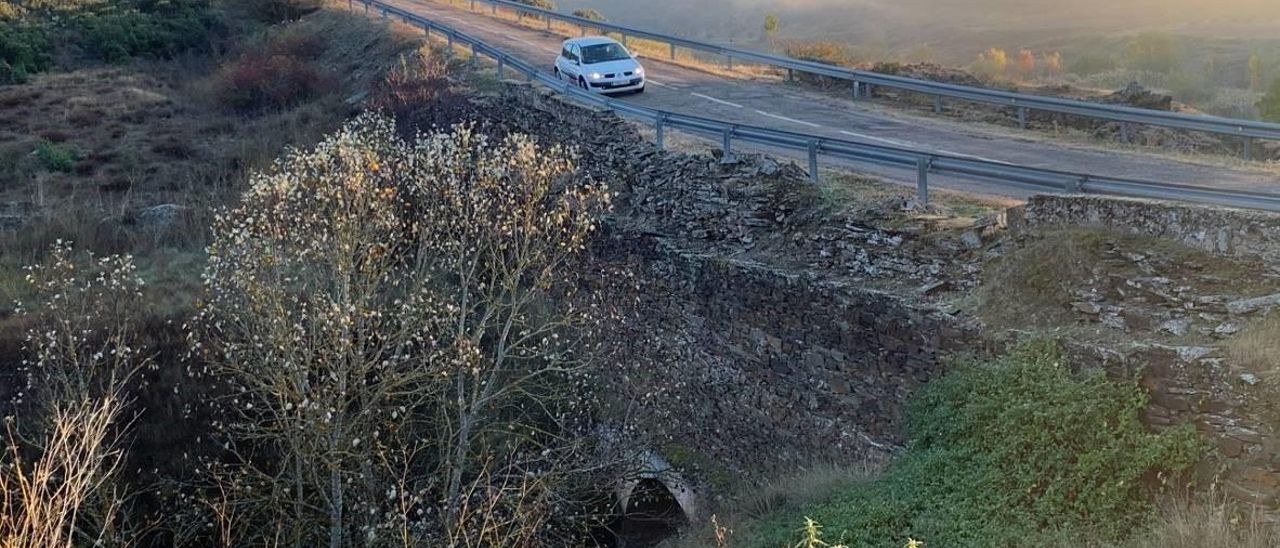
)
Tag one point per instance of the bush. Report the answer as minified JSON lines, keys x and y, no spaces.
{"x":57,"y":157}
{"x":544,"y":4}
{"x":116,"y":34}
{"x":1019,"y":451}
{"x":1092,"y":64}
{"x":588,"y":13}
{"x":258,"y":82}
{"x":24,"y":50}
{"x":825,"y":52}
{"x":1269,"y":106}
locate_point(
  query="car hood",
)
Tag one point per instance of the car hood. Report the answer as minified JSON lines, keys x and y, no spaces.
{"x":621,"y":65}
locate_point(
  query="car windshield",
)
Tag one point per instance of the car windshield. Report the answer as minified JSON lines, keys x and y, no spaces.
{"x":601,"y":53}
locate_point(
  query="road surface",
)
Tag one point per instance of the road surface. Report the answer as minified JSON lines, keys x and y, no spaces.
{"x":776,"y":105}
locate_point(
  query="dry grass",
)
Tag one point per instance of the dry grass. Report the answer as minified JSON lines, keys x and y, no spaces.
{"x":756,"y":504}
{"x":155,"y":133}
{"x":1257,"y":347}
{"x":948,"y":209}
{"x":43,"y":501}
{"x":1205,"y":521}
{"x":1031,"y":286}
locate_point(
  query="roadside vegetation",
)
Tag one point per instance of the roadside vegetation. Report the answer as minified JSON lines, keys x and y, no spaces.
{"x":1015,"y":450}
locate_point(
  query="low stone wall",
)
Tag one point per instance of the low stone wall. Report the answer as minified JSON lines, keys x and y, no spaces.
{"x":1236,"y":232}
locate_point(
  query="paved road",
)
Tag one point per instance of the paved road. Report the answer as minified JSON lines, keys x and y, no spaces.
{"x":777,"y":105}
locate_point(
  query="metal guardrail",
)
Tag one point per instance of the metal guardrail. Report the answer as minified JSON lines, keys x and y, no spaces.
{"x":861,"y":79}
{"x":922,"y":163}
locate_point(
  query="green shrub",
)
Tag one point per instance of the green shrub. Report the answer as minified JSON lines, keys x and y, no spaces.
{"x":1019,"y":451}
{"x":24,"y":50}
{"x":57,"y":157}
{"x":1269,"y":106}
{"x":116,"y":33}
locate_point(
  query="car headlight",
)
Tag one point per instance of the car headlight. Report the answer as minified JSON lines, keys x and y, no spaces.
{"x":639,"y":71}
{"x":595,"y":76}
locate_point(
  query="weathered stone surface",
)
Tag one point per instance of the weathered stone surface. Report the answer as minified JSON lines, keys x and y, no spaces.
{"x":1246,"y":306}
{"x":1240,"y":233}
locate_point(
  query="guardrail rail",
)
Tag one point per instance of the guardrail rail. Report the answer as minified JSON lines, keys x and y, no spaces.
{"x":861,"y":80}
{"x":922,"y":163}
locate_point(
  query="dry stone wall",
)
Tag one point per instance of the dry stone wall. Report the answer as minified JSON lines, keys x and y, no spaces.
{"x":754,"y":337}
{"x":1225,"y":231}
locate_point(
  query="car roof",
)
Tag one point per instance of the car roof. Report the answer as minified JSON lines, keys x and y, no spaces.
{"x":590,"y":41}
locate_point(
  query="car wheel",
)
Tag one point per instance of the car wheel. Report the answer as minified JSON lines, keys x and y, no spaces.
{"x":583,"y":83}
{"x":556,"y":71}
{"x":639,"y":91}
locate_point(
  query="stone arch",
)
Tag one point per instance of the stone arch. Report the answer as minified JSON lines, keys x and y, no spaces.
{"x":654,"y":470}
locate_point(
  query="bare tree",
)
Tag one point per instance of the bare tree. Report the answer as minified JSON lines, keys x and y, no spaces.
{"x":378,"y":306}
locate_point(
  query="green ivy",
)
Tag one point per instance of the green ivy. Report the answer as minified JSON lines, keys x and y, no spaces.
{"x":1019,"y":451}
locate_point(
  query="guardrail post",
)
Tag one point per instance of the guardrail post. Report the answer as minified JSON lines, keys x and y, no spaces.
{"x":857,"y":89}
{"x":548,"y":23}
{"x":922,"y":179}
{"x":475,"y":58}
{"x":1124,"y":132}
{"x":660,"y":127}
{"x":624,"y":40}
{"x":519,"y":16}
{"x":426,"y":31}
{"x":729,"y":60}
{"x":1248,"y":149}
{"x":937,"y":104}
{"x":450,"y":46}
{"x":502,"y":68}
{"x":791,"y":76}
{"x":473,"y":5}
{"x":673,"y":52}
{"x":1022,"y":117}
{"x":728,"y":145}
{"x":1076,"y":186}
{"x":813,"y":161}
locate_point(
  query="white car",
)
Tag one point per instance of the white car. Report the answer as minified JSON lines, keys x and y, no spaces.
{"x":599,"y":64}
